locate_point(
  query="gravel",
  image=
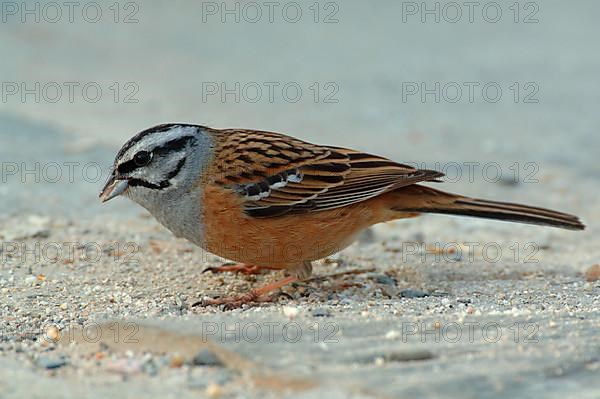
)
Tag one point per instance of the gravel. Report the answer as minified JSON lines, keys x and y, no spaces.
{"x":97,"y":299}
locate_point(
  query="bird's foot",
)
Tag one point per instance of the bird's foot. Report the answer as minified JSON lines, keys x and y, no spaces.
{"x":258,"y":295}
{"x":238,"y":268}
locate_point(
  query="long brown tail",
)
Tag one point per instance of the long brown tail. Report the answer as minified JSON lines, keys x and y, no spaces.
{"x":417,"y":198}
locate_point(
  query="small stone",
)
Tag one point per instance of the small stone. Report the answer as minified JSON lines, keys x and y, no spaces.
{"x":509,"y":180}
{"x":206,"y":358}
{"x":30,"y":280}
{"x":412,"y":293}
{"x":52,"y":334}
{"x":332,"y":262}
{"x":149,"y":367}
{"x":593,"y":273}
{"x":52,"y":363}
{"x":470,"y":310}
{"x":397,"y":356}
{"x":409,"y":355}
{"x":588,"y":287}
{"x":437,"y":325}
{"x":383,"y":279}
{"x":290,"y":311}
{"x":320,"y":312}
{"x":418,"y":238}
{"x":179,"y":302}
{"x":176,"y":361}
{"x":388,"y":290}
{"x":214,"y":390}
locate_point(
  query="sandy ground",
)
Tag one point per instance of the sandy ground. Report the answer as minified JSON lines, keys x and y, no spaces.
{"x":97,"y":300}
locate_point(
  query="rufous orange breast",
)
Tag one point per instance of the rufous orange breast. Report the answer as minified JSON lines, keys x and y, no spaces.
{"x":282,"y":241}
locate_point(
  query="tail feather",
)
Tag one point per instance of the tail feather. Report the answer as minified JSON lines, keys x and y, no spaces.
{"x":428,"y":200}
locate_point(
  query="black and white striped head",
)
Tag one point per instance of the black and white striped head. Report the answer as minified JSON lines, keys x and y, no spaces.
{"x":158,"y":161}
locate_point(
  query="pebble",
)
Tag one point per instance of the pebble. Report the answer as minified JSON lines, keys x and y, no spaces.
{"x":51,"y":363}
{"x":593,"y":273}
{"x":176,"y":361}
{"x":214,"y":390}
{"x":409,"y":355}
{"x":510,"y":180}
{"x":206,"y":358}
{"x":150,"y":367}
{"x":383,"y":279}
{"x":30,"y":280}
{"x":52,"y":334}
{"x":397,"y":356}
{"x":418,"y":238}
{"x":389,"y":291}
{"x":290,"y":311}
{"x":321,"y":312}
{"x":412,"y":293}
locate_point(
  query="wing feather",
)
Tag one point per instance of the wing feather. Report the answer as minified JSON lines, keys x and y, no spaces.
{"x":276,"y":174}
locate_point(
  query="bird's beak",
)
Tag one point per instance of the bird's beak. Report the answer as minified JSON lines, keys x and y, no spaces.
{"x":113,"y":188}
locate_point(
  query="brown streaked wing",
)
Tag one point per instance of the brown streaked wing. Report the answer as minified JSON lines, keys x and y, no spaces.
{"x":278,"y":174}
{"x":370,"y":176}
{"x":248,"y":155}
{"x":275,"y":171}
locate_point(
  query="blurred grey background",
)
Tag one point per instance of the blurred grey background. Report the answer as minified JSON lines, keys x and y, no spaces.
{"x":499,"y":82}
{"x":502,"y":96}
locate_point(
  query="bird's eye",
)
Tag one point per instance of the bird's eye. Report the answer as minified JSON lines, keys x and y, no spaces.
{"x":142,"y":158}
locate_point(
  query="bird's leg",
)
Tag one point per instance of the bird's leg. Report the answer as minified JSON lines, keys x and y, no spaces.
{"x":238,"y":268}
{"x":256,"y":295}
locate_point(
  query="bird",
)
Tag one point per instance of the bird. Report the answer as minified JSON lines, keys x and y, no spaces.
{"x":270,"y":201}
